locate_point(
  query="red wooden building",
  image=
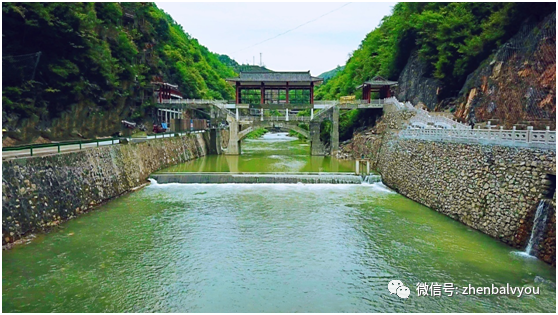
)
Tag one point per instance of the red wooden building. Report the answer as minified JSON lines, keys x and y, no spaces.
{"x":165,"y":91}
{"x":270,"y":87}
{"x":378,"y":85}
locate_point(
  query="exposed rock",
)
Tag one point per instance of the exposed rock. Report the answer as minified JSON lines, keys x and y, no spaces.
{"x":416,"y":86}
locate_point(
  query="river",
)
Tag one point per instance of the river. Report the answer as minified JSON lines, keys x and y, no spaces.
{"x":266,"y":248}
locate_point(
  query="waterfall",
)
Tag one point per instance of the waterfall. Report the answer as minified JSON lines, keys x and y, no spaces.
{"x":539,"y":223}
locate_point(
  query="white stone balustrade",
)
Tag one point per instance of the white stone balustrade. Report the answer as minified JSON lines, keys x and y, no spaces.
{"x":528,"y":138}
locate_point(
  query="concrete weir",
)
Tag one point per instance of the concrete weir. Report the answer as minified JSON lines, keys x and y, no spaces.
{"x":262,"y":178}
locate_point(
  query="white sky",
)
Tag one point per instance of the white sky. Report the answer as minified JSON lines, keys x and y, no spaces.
{"x":231,"y":27}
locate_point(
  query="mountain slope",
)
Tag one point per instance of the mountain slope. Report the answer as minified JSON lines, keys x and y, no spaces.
{"x":451,"y":38}
{"x":95,"y":67}
{"x":331,"y":73}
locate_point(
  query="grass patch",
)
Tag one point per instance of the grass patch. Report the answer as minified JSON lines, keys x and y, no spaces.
{"x":139,"y":134}
{"x":256,"y":133}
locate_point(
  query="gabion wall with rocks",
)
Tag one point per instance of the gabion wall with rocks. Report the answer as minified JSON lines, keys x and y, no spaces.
{"x":43,"y":191}
{"x":494,"y":189}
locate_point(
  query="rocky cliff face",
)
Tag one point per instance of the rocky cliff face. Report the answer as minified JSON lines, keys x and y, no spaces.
{"x":514,"y":86}
{"x":83,"y":120}
{"x":416,"y":86}
{"x":517,"y":85}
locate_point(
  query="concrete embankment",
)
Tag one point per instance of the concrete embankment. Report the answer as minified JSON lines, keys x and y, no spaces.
{"x":41,"y":192}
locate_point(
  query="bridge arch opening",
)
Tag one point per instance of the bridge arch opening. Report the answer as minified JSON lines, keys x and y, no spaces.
{"x":279,"y":126}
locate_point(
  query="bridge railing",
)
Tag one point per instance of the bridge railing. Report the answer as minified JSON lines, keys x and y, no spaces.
{"x":275,"y":118}
{"x":326,"y":103}
{"x":426,"y":120}
{"x":527,"y":138}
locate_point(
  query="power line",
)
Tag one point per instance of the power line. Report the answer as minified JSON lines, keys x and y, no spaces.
{"x":292,"y":29}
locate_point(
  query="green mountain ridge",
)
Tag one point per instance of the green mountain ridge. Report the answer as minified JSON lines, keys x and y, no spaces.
{"x":452,"y":38}
{"x":96,"y":65}
{"x":331,"y":73}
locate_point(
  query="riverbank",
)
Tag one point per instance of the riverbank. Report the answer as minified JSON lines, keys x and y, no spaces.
{"x":266,"y":248}
{"x":39,"y":193}
{"x":491,"y":188}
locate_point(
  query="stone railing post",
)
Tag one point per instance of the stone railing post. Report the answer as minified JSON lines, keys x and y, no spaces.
{"x":546,"y":134}
{"x":513,"y":133}
{"x":287,"y":114}
{"x":529,"y":133}
{"x":501,"y":132}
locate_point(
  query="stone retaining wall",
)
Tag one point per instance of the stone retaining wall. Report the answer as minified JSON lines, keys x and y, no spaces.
{"x":493,"y":189}
{"x":41,"y":192}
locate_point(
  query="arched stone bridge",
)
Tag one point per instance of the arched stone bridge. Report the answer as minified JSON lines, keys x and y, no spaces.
{"x":241,"y":125}
{"x":283,"y":125}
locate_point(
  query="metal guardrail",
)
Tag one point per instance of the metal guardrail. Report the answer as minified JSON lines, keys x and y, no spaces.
{"x":526,"y":138}
{"x":81,"y":143}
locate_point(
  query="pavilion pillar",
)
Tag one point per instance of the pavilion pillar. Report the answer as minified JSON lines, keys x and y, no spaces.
{"x":262,"y":93}
{"x":237,"y":92}
{"x":311,"y":92}
{"x":287,"y":94}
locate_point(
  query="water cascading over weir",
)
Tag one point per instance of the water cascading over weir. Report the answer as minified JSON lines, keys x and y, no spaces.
{"x":263,"y":178}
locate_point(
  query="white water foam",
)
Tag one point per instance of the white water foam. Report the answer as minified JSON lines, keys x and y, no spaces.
{"x":522,"y":254}
{"x":379,"y":186}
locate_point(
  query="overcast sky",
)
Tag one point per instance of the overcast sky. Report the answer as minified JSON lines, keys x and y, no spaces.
{"x":231,"y":28}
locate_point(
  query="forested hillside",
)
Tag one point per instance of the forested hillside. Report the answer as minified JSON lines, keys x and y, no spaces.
{"x":331,"y":73}
{"x":451,"y":38}
{"x":77,"y":69}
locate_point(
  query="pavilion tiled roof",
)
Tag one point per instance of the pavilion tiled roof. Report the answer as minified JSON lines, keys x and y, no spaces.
{"x":378,"y":81}
{"x":272,"y":76}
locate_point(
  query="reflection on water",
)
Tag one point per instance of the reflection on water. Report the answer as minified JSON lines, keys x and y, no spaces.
{"x":274,"y":152}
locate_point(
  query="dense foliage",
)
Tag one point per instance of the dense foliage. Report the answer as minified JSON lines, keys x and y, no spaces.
{"x":452,"y":38}
{"x":255,"y":134}
{"x":100,"y":54}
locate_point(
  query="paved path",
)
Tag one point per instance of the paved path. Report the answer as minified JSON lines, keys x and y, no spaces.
{"x":72,"y":147}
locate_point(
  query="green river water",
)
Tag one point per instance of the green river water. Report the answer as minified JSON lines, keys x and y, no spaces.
{"x":266,"y":248}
